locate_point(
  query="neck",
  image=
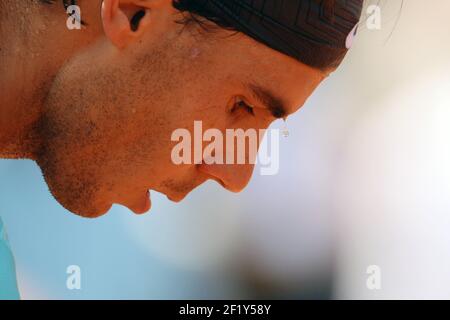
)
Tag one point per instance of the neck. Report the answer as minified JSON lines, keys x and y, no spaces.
{"x":34,"y":44}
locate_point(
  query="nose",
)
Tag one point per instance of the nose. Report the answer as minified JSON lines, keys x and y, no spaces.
{"x":233,"y":177}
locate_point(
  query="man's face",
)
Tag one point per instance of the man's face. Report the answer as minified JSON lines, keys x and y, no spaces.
{"x":110,"y":114}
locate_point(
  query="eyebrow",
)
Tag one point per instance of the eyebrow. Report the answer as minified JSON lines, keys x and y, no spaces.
{"x":270,"y":100}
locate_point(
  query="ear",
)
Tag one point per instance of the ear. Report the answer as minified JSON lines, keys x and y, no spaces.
{"x":124,"y":21}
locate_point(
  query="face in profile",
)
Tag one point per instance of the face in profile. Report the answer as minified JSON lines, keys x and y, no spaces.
{"x":113,"y":106}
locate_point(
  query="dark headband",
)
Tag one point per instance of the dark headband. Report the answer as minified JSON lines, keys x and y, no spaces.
{"x":312,"y":31}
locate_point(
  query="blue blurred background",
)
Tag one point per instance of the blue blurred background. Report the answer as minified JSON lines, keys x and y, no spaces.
{"x":364,"y":180}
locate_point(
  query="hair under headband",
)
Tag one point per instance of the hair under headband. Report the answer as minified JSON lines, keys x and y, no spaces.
{"x":315,"y":32}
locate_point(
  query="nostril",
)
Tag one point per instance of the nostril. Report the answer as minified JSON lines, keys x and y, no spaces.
{"x":134,"y":23}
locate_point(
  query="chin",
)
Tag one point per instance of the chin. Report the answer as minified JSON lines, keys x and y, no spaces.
{"x":84,"y":204}
{"x":83,"y":208}
{"x":92,"y":212}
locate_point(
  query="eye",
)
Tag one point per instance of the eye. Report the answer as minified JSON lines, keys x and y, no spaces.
{"x":241,"y":104}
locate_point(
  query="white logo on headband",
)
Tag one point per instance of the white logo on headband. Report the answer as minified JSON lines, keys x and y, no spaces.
{"x":351,"y":37}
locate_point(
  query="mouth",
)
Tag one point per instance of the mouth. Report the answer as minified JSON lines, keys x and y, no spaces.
{"x":177,"y":192}
{"x":144,"y":204}
{"x":173,"y":196}
{"x":176,"y":198}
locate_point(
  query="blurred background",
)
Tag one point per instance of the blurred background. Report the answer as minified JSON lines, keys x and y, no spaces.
{"x":364,"y":180}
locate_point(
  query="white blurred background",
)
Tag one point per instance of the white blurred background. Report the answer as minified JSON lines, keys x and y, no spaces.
{"x":364,"y":180}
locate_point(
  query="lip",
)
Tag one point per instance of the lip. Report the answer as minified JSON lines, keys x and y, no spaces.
{"x":176,"y":198}
{"x":144,"y":206}
{"x":172,"y":196}
{"x":180,"y":196}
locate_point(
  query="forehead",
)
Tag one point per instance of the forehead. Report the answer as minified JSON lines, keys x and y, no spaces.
{"x":239,"y":59}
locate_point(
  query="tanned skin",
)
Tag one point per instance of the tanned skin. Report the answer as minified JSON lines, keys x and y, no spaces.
{"x":95,"y":108}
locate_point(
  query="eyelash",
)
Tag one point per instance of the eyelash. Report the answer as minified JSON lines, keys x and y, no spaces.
{"x":243,"y":105}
